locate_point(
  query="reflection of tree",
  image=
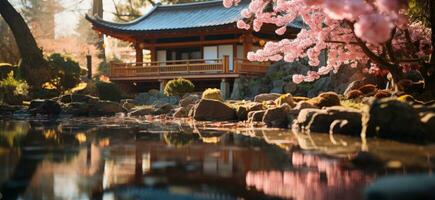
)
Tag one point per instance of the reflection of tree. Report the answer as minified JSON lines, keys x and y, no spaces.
{"x":11,"y":133}
{"x":37,"y":142}
{"x":315,"y":177}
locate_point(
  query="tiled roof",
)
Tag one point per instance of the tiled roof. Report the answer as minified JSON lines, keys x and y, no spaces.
{"x":180,"y":16}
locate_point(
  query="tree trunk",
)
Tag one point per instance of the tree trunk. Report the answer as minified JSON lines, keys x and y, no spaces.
{"x":97,"y":10}
{"x":34,"y":67}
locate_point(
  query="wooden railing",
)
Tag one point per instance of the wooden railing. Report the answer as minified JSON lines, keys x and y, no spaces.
{"x":244,"y":66}
{"x":184,"y":67}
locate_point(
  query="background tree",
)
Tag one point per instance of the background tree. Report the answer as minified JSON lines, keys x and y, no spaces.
{"x":40,"y":16}
{"x":34,"y":67}
{"x":376,"y":34}
{"x":8,"y":47}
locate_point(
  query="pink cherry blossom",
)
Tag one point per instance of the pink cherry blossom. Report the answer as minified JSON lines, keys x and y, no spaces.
{"x":339,"y":28}
{"x":374,"y":28}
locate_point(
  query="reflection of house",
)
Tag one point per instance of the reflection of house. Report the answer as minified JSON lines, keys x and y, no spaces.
{"x":198,"y":41}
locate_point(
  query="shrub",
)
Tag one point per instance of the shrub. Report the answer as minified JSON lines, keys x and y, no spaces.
{"x":108,"y":91}
{"x":178,"y":87}
{"x":65,"y":72}
{"x":13,"y":91}
{"x":6,"y":68}
{"x":212,"y":93}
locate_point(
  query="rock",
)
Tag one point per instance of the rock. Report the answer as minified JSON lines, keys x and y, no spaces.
{"x":12,"y":99}
{"x":106,"y":108}
{"x":128,"y":104}
{"x":213,"y":110}
{"x":254,"y":106}
{"x":78,"y":98}
{"x":367,"y":160}
{"x":189,"y":99}
{"x":9,"y":109}
{"x":242,"y":113}
{"x":45,"y":107}
{"x":326,"y":99}
{"x":299,"y":106}
{"x":142,"y":111}
{"x":353,"y":94}
{"x":368,"y":89}
{"x":181,"y":112}
{"x":77,"y":109}
{"x":320,"y":120}
{"x":392,"y":119}
{"x":298,"y":99}
{"x":277,"y":117}
{"x":411,"y":187}
{"x":285,"y":98}
{"x":164,"y":109}
{"x":428,"y":122}
{"x":256,"y":116}
{"x":380,"y":94}
{"x":266,"y":97}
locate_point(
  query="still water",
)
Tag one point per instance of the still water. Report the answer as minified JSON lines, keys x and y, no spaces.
{"x":121,"y":158}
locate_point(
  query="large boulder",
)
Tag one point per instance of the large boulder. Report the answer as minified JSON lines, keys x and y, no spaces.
{"x":213,"y":110}
{"x":45,"y":107}
{"x":69,"y":98}
{"x":77,"y":109}
{"x":256,"y":116}
{"x":163,"y":109}
{"x":277,"y":117}
{"x":392,"y":119}
{"x":320,"y":120}
{"x":106,"y":108}
{"x":266,"y":97}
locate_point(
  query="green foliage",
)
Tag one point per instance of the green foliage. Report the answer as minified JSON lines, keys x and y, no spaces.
{"x":108,"y":91}
{"x":65,"y":72}
{"x":212,"y":93}
{"x":178,"y":87}
{"x":419,"y":10}
{"x":12,"y":91}
{"x":6,"y":68}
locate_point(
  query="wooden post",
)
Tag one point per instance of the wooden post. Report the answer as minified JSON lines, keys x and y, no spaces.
{"x":89,"y":65}
{"x":247,"y":44}
{"x":153,"y":53}
{"x":226,"y":62}
{"x":139,"y":54}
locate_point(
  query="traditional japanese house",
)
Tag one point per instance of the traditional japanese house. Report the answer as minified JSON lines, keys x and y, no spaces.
{"x":196,"y":41}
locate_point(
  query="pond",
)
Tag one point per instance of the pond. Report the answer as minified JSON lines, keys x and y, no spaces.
{"x":125,"y":158}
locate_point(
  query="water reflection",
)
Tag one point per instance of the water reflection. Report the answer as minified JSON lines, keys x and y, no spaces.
{"x":128,"y":159}
{"x":313,"y":177}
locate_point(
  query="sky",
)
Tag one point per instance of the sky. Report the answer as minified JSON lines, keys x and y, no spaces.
{"x":66,"y":21}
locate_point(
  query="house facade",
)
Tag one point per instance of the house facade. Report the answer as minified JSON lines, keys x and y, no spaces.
{"x":196,"y":41}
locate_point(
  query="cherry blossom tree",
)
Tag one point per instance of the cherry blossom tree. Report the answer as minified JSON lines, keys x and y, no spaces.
{"x":376,"y":34}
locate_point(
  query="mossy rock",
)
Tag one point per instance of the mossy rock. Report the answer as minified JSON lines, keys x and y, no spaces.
{"x":409,"y":99}
{"x":212,"y":93}
{"x":285,"y":98}
{"x":326,"y":99}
